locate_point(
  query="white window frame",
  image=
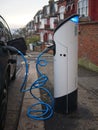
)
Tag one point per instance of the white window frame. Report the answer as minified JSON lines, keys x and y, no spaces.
{"x":42,"y":36}
{"x":83,"y":8}
{"x":50,"y":37}
{"x":56,"y":7}
{"x":40,"y":17}
{"x":52,"y":22}
{"x":61,"y":11}
{"x":48,"y":10}
{"x":43,"y":22}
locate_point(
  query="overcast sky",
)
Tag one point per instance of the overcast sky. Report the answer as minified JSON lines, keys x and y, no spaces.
{"x":18,"y":13}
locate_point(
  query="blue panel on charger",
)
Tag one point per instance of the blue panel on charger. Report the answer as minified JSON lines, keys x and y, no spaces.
{"x":75,"y":19}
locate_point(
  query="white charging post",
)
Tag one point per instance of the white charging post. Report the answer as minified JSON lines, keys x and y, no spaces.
{"x":65,"y":65}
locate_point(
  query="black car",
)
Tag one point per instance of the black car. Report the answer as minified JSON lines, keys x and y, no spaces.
{"x":8,"y":60}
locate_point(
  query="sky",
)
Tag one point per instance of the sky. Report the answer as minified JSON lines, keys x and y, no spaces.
{"x":18,"y":13}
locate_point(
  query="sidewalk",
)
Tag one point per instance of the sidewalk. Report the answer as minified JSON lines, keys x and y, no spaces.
{"x":88,"y":79}
{"x":25,"y":123}
{"x":86,"y":117}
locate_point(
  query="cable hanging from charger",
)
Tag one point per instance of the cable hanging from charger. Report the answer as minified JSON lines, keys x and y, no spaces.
{"x":47,"y":111}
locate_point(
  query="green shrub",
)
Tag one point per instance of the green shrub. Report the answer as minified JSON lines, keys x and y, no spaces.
{"x":34,"y":39}
{"x":87,"y":64}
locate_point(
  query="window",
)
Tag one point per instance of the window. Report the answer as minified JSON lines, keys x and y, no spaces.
{"x":83,"y":7}
{"x":48,"y":10}
{"x":50,"y":37}
{"x":61,"y":11}
{"x":56,"y":7}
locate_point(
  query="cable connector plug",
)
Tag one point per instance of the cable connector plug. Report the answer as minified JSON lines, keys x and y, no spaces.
{"x":52,"y":47}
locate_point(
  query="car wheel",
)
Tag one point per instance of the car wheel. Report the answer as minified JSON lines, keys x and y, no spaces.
{"x":4,"y":103}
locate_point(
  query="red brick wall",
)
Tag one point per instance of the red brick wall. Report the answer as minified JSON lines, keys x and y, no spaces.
{"x":88,"y":42}
{"x":93,"y":10}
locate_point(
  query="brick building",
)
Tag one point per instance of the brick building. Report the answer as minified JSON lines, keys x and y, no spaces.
{"x":47,"y":19}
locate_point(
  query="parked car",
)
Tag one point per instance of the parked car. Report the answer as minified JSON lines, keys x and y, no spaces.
{"x":8,"y":61}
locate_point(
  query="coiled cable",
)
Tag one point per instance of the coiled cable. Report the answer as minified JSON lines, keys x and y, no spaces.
{"x":47,"y":110}
{"x":32,"y":112}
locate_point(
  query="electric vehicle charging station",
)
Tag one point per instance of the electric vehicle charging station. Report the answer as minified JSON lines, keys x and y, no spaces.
{"x":65,"y":65}
{"x":65,"y":46}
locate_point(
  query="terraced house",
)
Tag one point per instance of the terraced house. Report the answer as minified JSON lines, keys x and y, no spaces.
{"x":47,"y":19}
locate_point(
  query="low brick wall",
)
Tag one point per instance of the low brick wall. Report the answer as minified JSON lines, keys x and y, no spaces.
{"x":88,"y":42}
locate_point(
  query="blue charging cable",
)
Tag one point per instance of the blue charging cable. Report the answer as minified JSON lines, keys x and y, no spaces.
{"x":47,"y":110}
{"x":32,"y":112}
